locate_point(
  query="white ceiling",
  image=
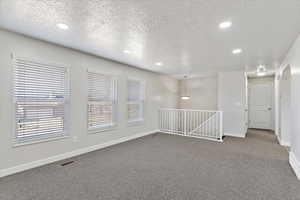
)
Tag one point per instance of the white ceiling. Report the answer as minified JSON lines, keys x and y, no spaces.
{"x":183,"y":35}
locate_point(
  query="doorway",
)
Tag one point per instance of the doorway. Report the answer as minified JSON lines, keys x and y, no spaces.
{"x":261,"y":103}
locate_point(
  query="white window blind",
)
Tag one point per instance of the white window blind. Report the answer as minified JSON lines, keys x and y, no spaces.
{"x":136,"y":100}
{"x":41,"y":95}
{"x":102,"y":101}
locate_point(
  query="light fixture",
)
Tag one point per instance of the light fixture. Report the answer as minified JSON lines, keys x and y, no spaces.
{"x":184,"y":95}
{"x":185,"y":98}
{"x":62,"y":26}
{"x":127,"y":51}
{"x":261,"y":70}
{"x":237,"y":51}
{"x":225,"y":25}
{"x":261,"y":73}
{"x":158,"y":64}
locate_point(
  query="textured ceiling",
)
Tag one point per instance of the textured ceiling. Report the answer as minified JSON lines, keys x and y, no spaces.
{"x":183,"y":35}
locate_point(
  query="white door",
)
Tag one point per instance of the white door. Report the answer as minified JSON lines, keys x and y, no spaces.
{"x":260,"y":105}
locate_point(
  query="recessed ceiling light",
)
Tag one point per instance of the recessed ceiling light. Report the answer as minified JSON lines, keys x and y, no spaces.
{"x":127,"y":51}
{"x":62,"y":26}
{"x":237,"y":51}
{"x":225,"y":25}
{"x":185,"y":97}
{"x":159,"y":64}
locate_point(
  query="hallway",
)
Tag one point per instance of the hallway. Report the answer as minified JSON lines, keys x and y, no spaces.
{"x":260,"y":143}
{"x":162,"y":166}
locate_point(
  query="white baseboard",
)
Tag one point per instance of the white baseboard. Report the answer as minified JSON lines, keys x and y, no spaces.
{"x":38,"y":163}
{"x":284,"y":143}
{"x":234,"y":135}
{"x":295,"y":164}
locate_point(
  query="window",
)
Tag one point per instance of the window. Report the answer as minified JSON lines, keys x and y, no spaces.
{"x":102,"y":101}
{"x":136,"y":100}
{"x":41,"y":96}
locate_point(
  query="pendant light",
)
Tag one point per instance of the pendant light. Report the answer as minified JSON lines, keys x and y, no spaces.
{"x":184,"y":90}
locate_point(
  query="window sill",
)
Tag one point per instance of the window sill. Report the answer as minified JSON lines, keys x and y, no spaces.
{"x":33,"y":141}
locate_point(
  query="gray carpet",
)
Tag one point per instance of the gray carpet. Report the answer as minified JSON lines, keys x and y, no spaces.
{"x":161,"y":166}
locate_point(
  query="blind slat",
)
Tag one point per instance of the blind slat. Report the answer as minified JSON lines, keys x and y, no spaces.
{"x":101,"y":101}
{"x":41,"y":93}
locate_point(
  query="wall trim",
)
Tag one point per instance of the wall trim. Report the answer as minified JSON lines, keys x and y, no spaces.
{"x":234,"y":135}
{"x":38,"y":163}
{"x":295,"y":164}
{"x":284,"y":143}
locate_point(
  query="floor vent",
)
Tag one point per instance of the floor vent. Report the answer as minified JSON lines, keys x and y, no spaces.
{"x":67,"y":163}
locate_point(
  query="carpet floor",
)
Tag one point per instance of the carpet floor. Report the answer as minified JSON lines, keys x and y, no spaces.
{"x":165,"y":167}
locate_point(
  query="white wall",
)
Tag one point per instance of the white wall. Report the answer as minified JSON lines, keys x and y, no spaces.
{"x":277,"y":106}
{"x":203,"y":92}
{"x":161,"y":92}
{"x":232,"y":101}
{"x":284,"y":100}
{"x":293,"y":59}
{"x":283,"y":134}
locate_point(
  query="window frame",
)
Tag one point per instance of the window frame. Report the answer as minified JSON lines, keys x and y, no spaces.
{"x":114,"y":125}
{"x":16,"y":141}
{"x":141,"y":102}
